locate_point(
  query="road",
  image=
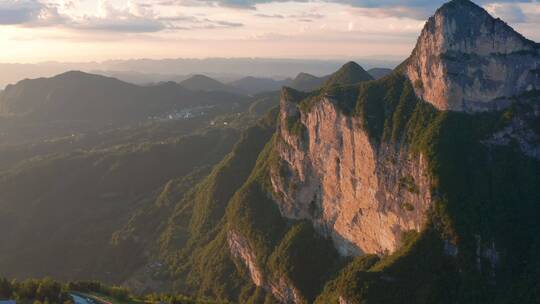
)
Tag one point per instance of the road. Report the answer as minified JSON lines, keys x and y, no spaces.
{"x":81,"y":298}
{"x":78,"y":299}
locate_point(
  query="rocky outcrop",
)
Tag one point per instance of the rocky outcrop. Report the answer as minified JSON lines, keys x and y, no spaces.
{"x":521,"y":130}
{"x":363,"y":195}
{"x":466,"y":60}
{"x":241,"y":250}
{"x":279,"y":287}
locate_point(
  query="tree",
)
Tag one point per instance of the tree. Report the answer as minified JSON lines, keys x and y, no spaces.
{"x":48,"y":289}
{"x":119,"y":293}
{"x":6,"y":290}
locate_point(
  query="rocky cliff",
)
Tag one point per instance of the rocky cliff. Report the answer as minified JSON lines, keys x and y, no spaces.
{"x":366,"y":194}
{"x":363,"y":195}
{"x":466,"y":60}
{"x":279,"y":287}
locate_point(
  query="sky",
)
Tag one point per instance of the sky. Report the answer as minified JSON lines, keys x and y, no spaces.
{"x":97,"y":30}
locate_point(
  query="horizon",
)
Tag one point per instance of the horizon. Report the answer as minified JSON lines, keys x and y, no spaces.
{"x":69,"y":31}
{"x":391,"y":60}
{"x":146,"y":71}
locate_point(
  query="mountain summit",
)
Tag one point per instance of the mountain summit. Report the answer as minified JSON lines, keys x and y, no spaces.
{"x":204,"y":83}
{"x":466,"y":60}
{"x":349,"y":73}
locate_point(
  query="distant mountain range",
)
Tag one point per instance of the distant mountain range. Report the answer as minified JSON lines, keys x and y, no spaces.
{"x":204,"y":83}
{"x":81,"y":96}
{"x":144,"y":71}
{"x":308,"y":82}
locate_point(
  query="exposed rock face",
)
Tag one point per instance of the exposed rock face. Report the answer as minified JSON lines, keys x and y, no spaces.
{"x":520,"y":130}
{"x":279,"y":287}
{"x":465,"y":60}
{"x":241,"y":250}
{"x":342,"y":300}
{"x":363,"y":195}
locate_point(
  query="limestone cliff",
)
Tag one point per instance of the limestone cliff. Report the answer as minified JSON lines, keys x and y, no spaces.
{"x":466,"y":60}
{"x":363,"y":195}
{"x":278,"y":287}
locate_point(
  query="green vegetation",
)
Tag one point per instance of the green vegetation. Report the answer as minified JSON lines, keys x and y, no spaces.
{"x":37,"y":291}
{"x":348,"y":280}
{"x":253,"y":214}
{"x":483,"y":196}
{"x":407,"y":206}
{"x":193,"y":242}
{"x":296,"y":253}
{"x":306,"y":82}
{"x":292,"y":95}
{"x":407,"y":182}
{"x":349,"y":74}
{"x":418,"y":84}
{"x":167,"y":203}
{"x":474,"y":196}
{"x":62,"y":195}
{"x":306,"y":258}
{"x":295,"y":126}
{"x":34,"y":291}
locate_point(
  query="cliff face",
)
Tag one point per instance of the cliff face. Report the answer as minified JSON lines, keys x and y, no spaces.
{"x":465,"y":60}
{"x":278,"y":287}
{"x":363,"y":195}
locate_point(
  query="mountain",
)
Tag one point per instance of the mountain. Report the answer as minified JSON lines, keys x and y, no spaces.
{"x":140,"y":78}
{"x":382,"y":191}
{"x":370,"y":193}
{"x":222,"y":69}
{"x":75,"y":200}
{"x":350,"y":73}
{"x":206,"y":84}
{"x":372,"y":174}
{"x":477,"y":66}
{"x":378,"y":73}
{"x":75,"y":102}
{"x":424,"y":199}
{"x":71,"y":93}
{"x":255,"y":85}
{"x":306,"y":82}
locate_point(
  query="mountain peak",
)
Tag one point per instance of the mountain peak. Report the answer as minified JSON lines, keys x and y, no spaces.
{"x":349,"y":73}
{"x":466,"y":60}
{"x":304,"y":76}
{"x":200,"y":82}
{"x":458,"y":5}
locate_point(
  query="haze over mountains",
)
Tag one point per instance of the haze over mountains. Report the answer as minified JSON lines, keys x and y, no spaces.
{"x":419,"y":184}
{"x":144,"y":71}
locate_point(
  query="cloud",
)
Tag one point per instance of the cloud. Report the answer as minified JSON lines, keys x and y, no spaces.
{"x":125,"y":25}
{"x":276,"y":16}
{"x":20,"y":11}
{"x":134,"y":17}
{"x":149,"y":16}
{"x":302,"y":17}
{"x":422,"y":9}
{"x":508,"y":12}
{"x":416,"y":9}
